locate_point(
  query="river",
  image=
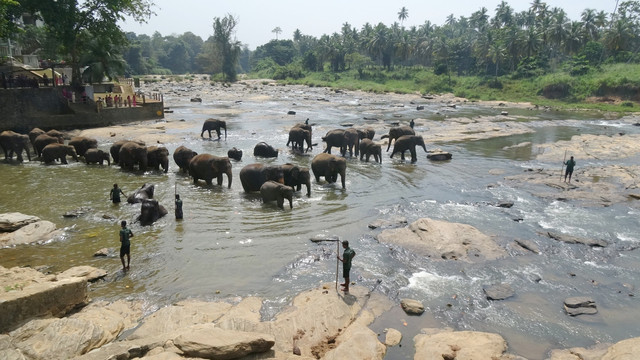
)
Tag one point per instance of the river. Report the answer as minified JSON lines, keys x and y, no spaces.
{"x":231,"y":245}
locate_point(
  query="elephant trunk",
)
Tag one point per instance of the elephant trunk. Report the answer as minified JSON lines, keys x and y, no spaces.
{"x":108,"y":159}
{"x":165,"y":165}
{"x":225,"y":132}
{"x":424,"y":147}
{"x":308,"y":185}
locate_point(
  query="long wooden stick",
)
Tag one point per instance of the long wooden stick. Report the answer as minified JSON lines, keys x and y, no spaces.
{"x":337,"y":262}
{"x":563,"y":160}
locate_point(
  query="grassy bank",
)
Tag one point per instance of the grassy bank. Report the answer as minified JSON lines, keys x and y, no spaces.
{"x":608,"y":88}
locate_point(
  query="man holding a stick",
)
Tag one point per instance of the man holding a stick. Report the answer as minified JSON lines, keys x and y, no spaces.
{"x":347,"y":256}
{"x":570,"y":164}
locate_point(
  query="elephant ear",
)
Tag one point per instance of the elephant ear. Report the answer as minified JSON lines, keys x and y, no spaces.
{"x":295,"y":172}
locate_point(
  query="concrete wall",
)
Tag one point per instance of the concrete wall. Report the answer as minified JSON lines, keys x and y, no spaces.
{"x":46,"y":108}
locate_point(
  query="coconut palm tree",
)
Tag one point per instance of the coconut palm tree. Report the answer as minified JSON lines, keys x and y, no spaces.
{"x":276,"y":31}
{"x":403,"y":14}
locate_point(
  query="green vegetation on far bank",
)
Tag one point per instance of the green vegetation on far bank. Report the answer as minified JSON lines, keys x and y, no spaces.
{"x":614,"y":87}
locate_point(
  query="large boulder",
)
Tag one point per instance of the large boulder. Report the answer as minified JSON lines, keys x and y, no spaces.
{"x":459,"y":345}
{"x":33,"y":232}
{"x":210,"y":342}
{"x":10,"y":222}
{"x":444,"y":240}
{"x":358,"y":342}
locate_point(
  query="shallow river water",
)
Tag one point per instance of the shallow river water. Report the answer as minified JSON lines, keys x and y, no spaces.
{"x":230,"y":244}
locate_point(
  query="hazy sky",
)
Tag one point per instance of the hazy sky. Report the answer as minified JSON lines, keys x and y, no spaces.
{"x":257,"y":18}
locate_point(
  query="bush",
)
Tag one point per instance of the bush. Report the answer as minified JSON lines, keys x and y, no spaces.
{"x":556,"y":91}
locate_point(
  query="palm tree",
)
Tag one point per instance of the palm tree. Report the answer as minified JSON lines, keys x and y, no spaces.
{"x":276,"y":31}
{"x":403,"y":14}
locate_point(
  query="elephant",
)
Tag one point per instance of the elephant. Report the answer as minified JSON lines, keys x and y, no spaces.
{"x":207,"y":167}
{"x":150,"y":212}
{"x":351,"y":140}
{"x":182,"y":155}
{"x":115,"y":149}
{"x":12,"y":142}
{"x":55,"y":151}
{"x":298,"y":135}
{"x":396,"y":132}
{"x":264,"y":150}
{"x":329,"y":166}
{"x":43,"y":140}
{"x":56,"y":134}
{"x":253,"y":176}
{"x":368,"y":148}
{"x":235,"y":154}
{"x":214,"y":124}
{"x":273,"y":190}
{"x":334,"y":138}
{"x":367,"y":133}
{"x":158,"y":156}
{"x":408,"y":142}
{"x":132,"y":154}
{"x":94,"y":156}
{"x":33,"y":134}
{"x":82,"y":144}
{"x":144,"y":192}
{"x":295,"y":177}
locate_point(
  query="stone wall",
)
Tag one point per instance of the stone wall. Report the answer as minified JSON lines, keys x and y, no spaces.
{"x":46,"y":108}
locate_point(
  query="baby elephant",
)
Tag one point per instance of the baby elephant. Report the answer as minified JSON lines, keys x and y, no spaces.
{"x":272,"y":190}
{"x":95,"y":156}
{"x":264,"y":150}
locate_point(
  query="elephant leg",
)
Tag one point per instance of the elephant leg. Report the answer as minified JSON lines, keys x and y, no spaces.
{"x":414,"y":157}
{"x":63,"y":160}
{"x":209,"y":181}
{"x":220,"y":179}
{"x":402,"y":155}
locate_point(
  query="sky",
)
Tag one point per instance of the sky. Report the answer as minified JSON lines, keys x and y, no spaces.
{"x":257,"y":18}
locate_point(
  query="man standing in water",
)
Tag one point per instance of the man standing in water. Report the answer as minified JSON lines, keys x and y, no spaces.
{"x":114,"y":195}
{"x":125,"y":244}
{"x":347,"y":256}
{"x":178,"y":207}
{"x":570,"y":164}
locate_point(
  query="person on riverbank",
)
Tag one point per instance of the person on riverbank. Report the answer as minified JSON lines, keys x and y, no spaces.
{"x":570,"y":165}
{"x":346,"y":258}
{"x":114,"y":195}
{"x":178,"y":208}
{"x":125,"y":244}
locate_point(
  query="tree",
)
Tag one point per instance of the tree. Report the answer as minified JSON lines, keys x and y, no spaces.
{"x":276,"y":31}
{"x":403,"y":14}
{"x":228,"y":48}
{"x":76,"y":23}
{"x":9,"y":9}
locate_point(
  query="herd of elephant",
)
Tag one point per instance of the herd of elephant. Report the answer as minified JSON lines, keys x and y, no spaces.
{"x":274,"y":182}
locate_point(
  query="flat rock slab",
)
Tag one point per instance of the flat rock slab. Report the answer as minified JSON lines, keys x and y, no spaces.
{"x":393,"y":337}
{"x":33,"y":232}
{"x":444,"y":240}
{"x":10,"y":222}
{"x":576,"y":240}
{"x":210,"y":342}
{"x":580,"y":305}
{"x":498,"y":292}
{"x":439,"y":156}
{"x":459,"y":345}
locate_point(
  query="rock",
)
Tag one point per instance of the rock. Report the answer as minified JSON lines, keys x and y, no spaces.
{"x":393,"y":337}
{"x":625,"y":349}
{"x":291,"y":112}
{"x":196,"y":99}
{"x":412,"y":307}
{"x":580,"y":305}
{"x":210,"y":342}
{"x":358,"y":342}
{"x":77,"y":212}
{"x":183,"y":314}
{"x":89,"y":273}
{"x":499,"y":292}
{"x":505,"y":204}
{"x":444,"y":240}
{"x":576,"y":240}
{"x":40,"y":230}
{"x":37,"y":296}
{"x":419,"y":107}
{"x":459,"y":345}
{"x":439,"y":156}
{"x":528,"y":245}
{"x":347,"y":124}
{"x":10,"y":222}
{"x":103,"y":252}
{"x":504,"y":113}
{"x":634,"y":196}
{"x":388,"y":223}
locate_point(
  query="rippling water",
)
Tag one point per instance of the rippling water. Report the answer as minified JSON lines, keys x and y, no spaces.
{"x":230,"y":244}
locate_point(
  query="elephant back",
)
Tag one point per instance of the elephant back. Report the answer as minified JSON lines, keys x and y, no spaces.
{"x":182,"y":155}
{"x":82,"y":144}
{"x":253,"y":176}
{"x":115,"y":148}
{"x":33,"y":134}
{"x":43,"y":140}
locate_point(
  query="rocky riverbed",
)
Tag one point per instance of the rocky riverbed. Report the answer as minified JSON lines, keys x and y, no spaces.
{"x":320,"y":322}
